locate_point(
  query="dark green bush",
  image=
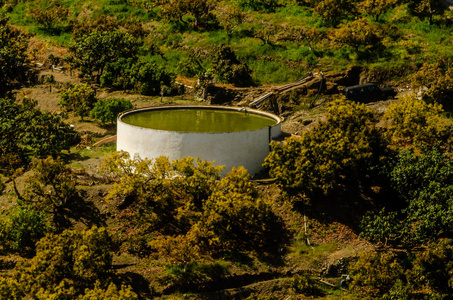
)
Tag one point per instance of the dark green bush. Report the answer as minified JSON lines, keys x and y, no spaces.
{"x":107,"y":110}
{"x":259,"y":5}
{"x":229,"y":69}
{"x":21,"y":229}
{"x":144,"y":77}
{"x":305,"y":284}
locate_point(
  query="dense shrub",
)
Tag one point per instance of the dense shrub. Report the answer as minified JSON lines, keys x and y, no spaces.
{"x":107,"y":110}
{"x":425,"y":183}
{"x":422,"y":274}
{"x":339,"y":152}
{"x":190,"y":212}
{"x":71,"y":265}
{"x":15,"y":63}
{"x":435,"y":81}
{"x":25,"y":130}
{"x":92,"y":52}
{"x":79,"y":99}
{"x":416,"y":123}
{"x":229,"y":69}
{"x":21,"y":228}
{"x":375,"y":273}
{"x":144,"y":77}
{"x":50,"y":16}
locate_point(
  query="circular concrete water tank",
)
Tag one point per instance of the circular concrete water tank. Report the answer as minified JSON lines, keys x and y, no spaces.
{"x":236,"y":143}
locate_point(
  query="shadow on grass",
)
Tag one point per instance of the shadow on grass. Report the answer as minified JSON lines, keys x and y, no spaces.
{"x":74,"y":156}
{"x":138,"y":283}
{"x":53,"y":31}
{"x":110,"y":128}
{"x":346,"y":207}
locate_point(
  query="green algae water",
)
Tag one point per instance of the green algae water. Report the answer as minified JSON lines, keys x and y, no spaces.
{"x":198,"y":120}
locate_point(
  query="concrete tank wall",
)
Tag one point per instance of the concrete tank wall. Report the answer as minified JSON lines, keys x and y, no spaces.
{"x":231,"y":149}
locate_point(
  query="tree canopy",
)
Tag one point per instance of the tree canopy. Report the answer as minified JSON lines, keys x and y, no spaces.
{"x":338,"y":152}
{"x":26,"y":131}
{"x":107,"y":110}
{"x":15,"y":65}
{"x":423,"y":182}
{"x":415,"y":122}
{"x":70,"y":265}
{"x":79,"y":99}
{"x":187,"y":211}
{"x":92,"y":52}
{"x":227,"y":67}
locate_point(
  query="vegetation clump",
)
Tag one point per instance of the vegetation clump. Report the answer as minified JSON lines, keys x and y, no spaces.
{"x":107,"y":110}
{"x":188,"y":212}
{"x":342,"y":150}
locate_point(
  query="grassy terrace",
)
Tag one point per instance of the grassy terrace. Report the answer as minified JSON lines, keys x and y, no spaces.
{"x":271,"y":43}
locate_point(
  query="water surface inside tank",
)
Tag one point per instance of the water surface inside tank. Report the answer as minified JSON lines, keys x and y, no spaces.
{"x":198,"y":120}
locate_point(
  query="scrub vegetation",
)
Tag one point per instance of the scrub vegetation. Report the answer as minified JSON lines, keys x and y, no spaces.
{"x":360,"y":194}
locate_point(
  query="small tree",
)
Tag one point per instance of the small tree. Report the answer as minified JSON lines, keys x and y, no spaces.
{"x":303,"y":34}
{"x":332,"y":11}
{"x":15,"y":63}
{"x":341,"y":151}
{"x":107,"y":110}
{"x":12,"y":166}
{"x":21,"y":229}
{"x":265,"y":32}
{"x":93,"y":51}
{"x":360,"y":35}
{"x":50,"y":16}
{"x":79,"y":99}
{"x":190,"y":66}
{"x":144,"y":77}
{"x":204,"y":79}
{"x":384,"y":227}
{"x":176,"y":11}
{"x":70,"y":265}
{"x":227,"y":67}
{"x":51,"y":186}
{"x":148,"y":78}
{"x":231,"y":19}
{"x":376,"y":8}
{"x":26,"y":131}
{"x":416,"y":123}
{"x":260,"y":5}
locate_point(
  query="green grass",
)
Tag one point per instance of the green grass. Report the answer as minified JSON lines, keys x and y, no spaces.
{"x":408,"y":39}
{"x":312,"y":254}
{"x":19,"y":15}
{"x":275,"y":72}
{"x":76,"y":155}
